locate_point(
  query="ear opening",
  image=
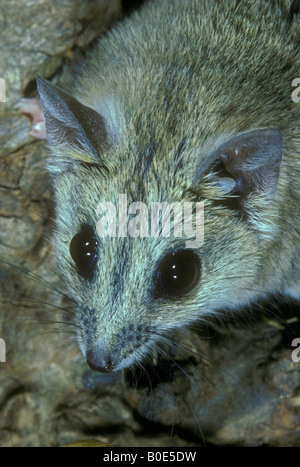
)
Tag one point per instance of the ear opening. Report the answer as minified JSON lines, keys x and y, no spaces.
{"x":246,"y":163}
{"x":219,"y":177}
{"x":245,"y":172}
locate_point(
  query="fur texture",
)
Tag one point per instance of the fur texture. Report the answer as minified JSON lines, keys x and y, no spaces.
{"x":172,"y":85}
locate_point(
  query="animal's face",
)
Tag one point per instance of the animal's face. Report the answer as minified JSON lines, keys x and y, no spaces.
{"x":132,"y":292}
{"x":128,"y":295}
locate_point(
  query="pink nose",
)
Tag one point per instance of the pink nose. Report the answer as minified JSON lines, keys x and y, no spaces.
{"x":99,"y":363}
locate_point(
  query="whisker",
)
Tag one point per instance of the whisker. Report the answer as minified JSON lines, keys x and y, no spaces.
{"x":193,"y":382}
{"x":41,"y":302}
{"x":39,"y":280}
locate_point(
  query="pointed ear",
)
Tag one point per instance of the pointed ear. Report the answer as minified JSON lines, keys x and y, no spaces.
{"x":246,"y":164}
{"x":74,"y":131}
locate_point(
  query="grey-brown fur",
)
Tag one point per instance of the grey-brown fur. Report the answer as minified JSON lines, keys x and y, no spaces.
{"x":172,"y":84}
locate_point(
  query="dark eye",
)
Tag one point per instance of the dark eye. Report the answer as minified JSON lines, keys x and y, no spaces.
{"x":178,"y":273}
{"x":84,"y":251}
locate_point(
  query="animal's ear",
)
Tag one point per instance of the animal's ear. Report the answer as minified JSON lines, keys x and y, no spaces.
{"x":246,"y":165}
{"x":74,"y":131}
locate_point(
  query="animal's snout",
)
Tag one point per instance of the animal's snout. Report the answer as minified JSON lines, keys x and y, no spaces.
{"x":119,"y":351}
{"x":97,"y":362}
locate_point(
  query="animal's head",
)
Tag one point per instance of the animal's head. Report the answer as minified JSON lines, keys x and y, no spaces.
{"x":136,"y":285}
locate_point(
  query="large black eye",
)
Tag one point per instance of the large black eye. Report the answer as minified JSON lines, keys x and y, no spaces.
{"x":178,"y":273}
{"x":84,"y":251}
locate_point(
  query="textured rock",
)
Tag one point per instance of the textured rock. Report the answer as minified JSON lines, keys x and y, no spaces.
{"x":41,"y":38}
